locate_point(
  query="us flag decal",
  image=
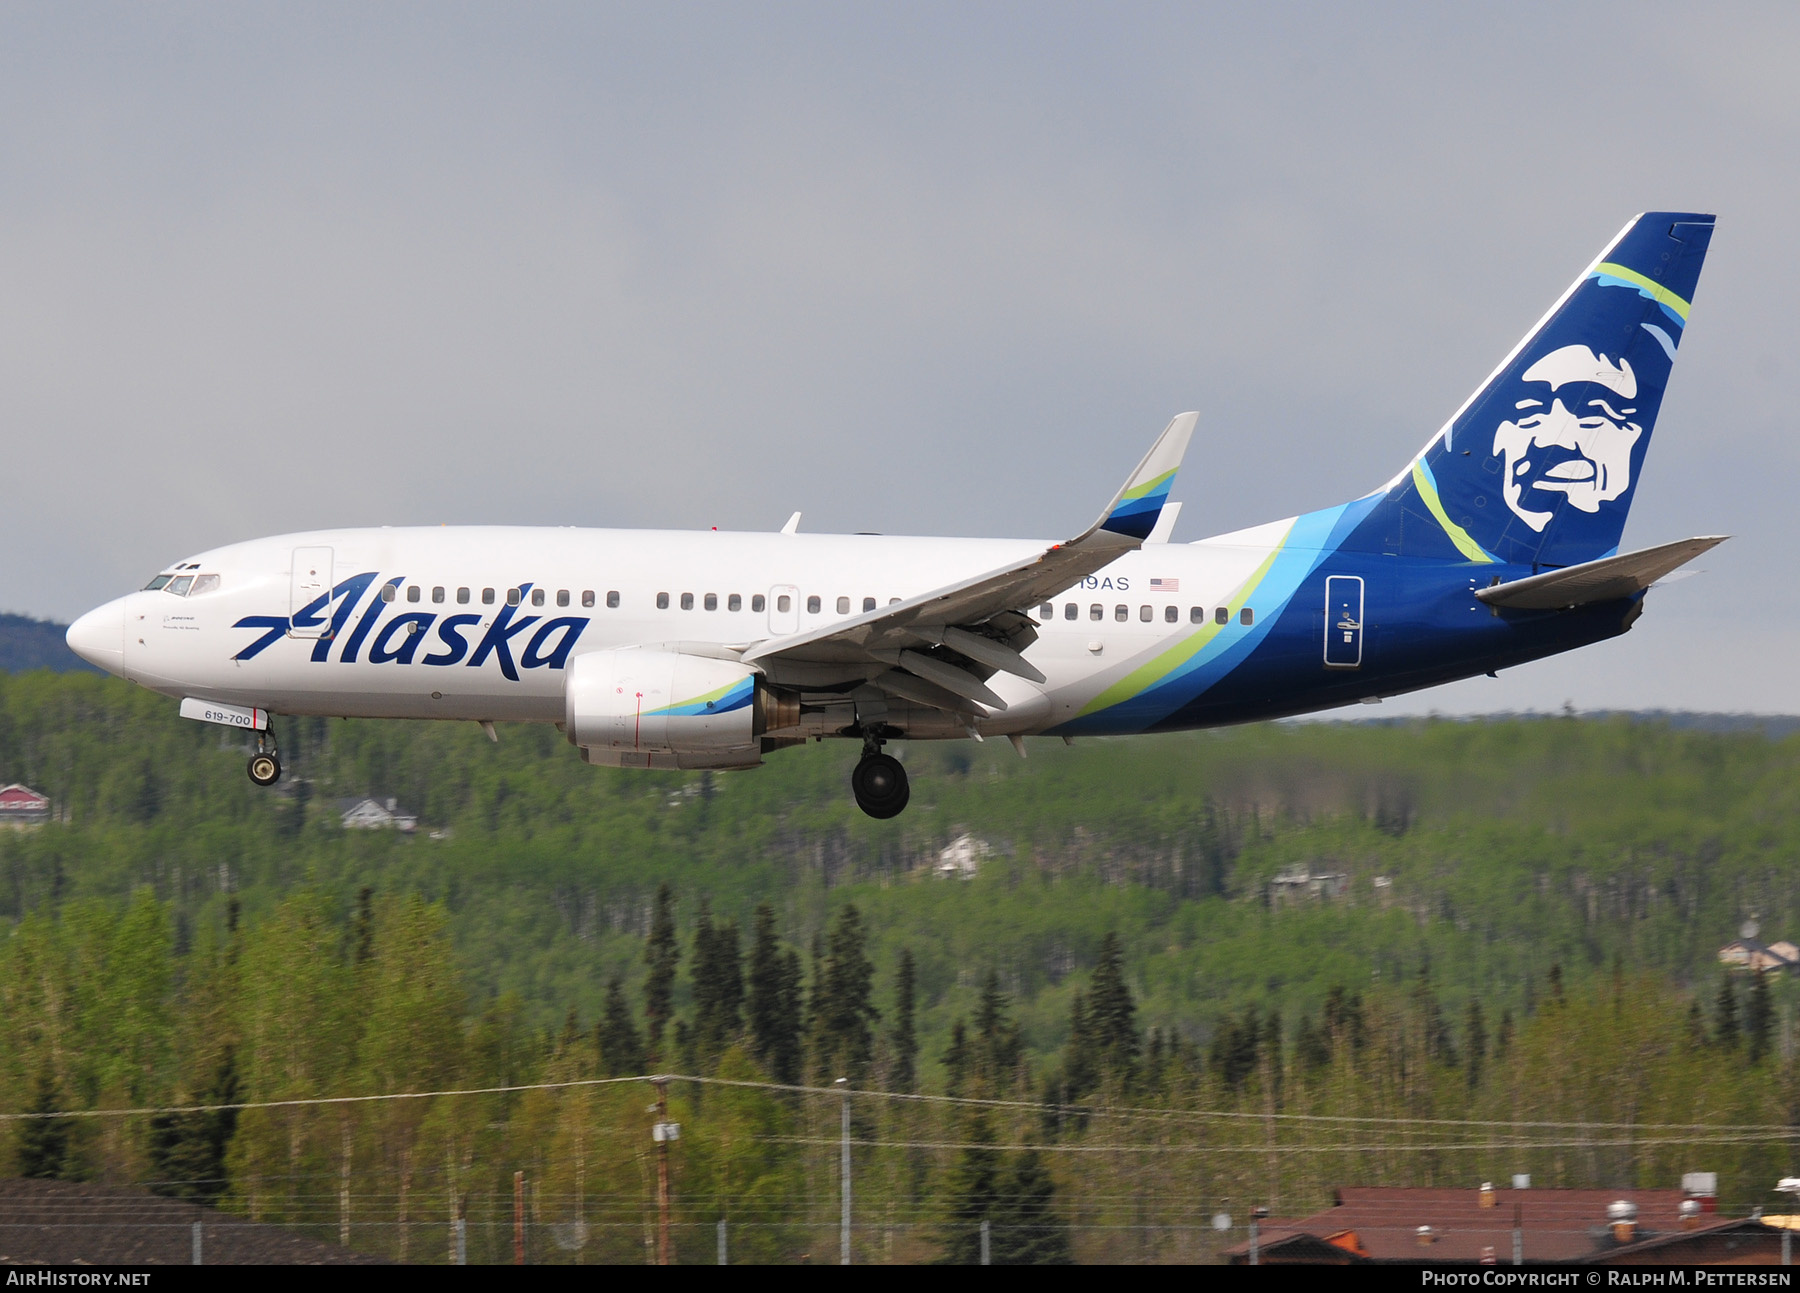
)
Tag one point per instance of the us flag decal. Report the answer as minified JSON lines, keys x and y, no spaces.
{"x":1166,"y":585}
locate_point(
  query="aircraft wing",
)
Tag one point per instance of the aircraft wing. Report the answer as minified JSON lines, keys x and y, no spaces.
{"x":1605,"y":580}
{"x":940,"y":647}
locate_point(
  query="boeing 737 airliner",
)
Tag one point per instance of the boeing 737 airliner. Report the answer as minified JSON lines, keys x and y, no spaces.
{"x":1497,"y":544}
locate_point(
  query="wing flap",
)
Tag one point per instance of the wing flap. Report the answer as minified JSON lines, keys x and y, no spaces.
{"x":1608,"y":579}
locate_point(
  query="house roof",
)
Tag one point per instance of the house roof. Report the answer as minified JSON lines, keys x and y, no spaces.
{"x":1558,"y":1225}
{"x":67,"y":1222}
{"x":17,"y":798}
{"x":1729,"y":1240}
{"x":1751,"y":947}
{"x":373,"y":805}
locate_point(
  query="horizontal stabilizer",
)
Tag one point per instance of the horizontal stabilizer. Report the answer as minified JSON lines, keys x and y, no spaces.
{"x":1606,"y":580}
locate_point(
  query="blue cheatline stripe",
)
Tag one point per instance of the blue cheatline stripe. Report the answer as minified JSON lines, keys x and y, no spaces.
{"x":1309,"y":542}
{"x":1137,"y":517}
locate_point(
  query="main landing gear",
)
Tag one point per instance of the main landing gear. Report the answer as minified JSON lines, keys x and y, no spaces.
{"x":265,"y":764}
{"x":879,"y":782}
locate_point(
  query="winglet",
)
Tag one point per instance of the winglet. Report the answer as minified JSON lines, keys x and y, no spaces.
{"x":1135,"y":508}
{"x":793,"y":524}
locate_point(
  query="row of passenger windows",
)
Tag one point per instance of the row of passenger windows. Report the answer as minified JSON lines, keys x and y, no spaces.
{"x":188,"y":585}
{"x":1122,"y":613}
{"x":784,"y":602}
{"x":514,"y":596}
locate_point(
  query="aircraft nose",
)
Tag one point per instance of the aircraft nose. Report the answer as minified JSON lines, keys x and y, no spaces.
{"x":99,"y":637}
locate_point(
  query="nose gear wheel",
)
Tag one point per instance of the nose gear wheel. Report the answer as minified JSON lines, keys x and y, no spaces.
{"x":265,"y":764}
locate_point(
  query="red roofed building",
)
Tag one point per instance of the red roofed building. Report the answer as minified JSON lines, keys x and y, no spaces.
{"x":23,"y":806}
{"x":1481,"y":1227}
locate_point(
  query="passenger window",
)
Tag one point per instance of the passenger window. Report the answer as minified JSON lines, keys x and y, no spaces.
{"x":757,"y":602}
{"x":868,"y":603}
{"x":562,"y":597}
{"x":1146,"y":613}
{"x":513,"y":596}
{"x":893,"y":601}
{"x":1197,"y":614}
{"x":1121,"y":613}
{"x":1171,"y":614}
{"x":612,"y":599}
{"x":1096,"y":612}
{"x":462,"y":597}
{"x":812,"y":605}
{"x":487,"y":597}
{"x":735,"y":602}
{"x":687,"y":601}
{"x":712,"y":602}
{"x":180,"y":586}
{"x":1222,"y":615}
{"x":413,"y":592}
{"x":784,"y":603}
{"x":662,"y":601}
{"x":208,"y":584}
{"x":587,"y":597}
{"x":389,"y":592}
{"x":1047,"y":611}
{"x":155,"y":585}
{"x":843,"y":605}
{"x":1246,"y":616}
{"x":1071,"y":611}
{"x":537,"y":597}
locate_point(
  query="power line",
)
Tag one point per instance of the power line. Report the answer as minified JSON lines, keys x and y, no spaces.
{"x":1747,"y":1131}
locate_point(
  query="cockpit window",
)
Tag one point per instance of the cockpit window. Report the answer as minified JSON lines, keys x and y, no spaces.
{"x":204,"y":584}
{"x":179,"y":586}
{"x":157,"y":583}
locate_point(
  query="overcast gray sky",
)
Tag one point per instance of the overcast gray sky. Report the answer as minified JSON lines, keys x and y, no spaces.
{"x":908,"y":268}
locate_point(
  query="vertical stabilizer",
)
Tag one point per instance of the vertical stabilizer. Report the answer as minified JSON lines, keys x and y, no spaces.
{"x":1539,"y":466}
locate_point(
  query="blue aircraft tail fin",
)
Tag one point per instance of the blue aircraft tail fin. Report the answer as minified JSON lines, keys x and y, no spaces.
{"x":1539,"y":466}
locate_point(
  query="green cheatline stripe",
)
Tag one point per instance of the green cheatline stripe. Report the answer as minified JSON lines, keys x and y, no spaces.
{"x":1656,"y":291}
{"x":1153,"y":671}
{"x":1147,"y":486}
{"x":1459,"y":536}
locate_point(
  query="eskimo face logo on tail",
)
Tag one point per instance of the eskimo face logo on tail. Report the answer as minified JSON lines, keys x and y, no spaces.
{"x":1572,"y":434}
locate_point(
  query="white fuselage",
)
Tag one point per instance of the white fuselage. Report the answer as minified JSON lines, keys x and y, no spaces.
{"x":705,"y":591}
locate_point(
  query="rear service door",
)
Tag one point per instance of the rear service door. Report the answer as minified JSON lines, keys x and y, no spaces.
{"x":1343,"y":622}
{"x":311,"y":581}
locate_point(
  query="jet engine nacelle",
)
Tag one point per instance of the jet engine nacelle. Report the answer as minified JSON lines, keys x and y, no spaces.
{"x":638,"y":708}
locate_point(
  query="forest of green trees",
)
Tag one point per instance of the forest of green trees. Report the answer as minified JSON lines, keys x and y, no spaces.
{"x":1118,"y":1027}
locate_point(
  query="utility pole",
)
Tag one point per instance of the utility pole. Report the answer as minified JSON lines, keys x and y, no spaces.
{"x":1257,"y":1214}
{"x":843,"y":1085}
{"x":663,"y":1132}
{"x":518,"y":1218}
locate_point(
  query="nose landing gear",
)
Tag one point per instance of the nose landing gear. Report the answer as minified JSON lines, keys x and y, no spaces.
{"x":265,"y":764}
{"x":879,"y":782}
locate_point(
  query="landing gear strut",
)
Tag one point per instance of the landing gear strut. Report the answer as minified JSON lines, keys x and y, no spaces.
{"x":879,"y":782}
{"x":265,"y":764}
